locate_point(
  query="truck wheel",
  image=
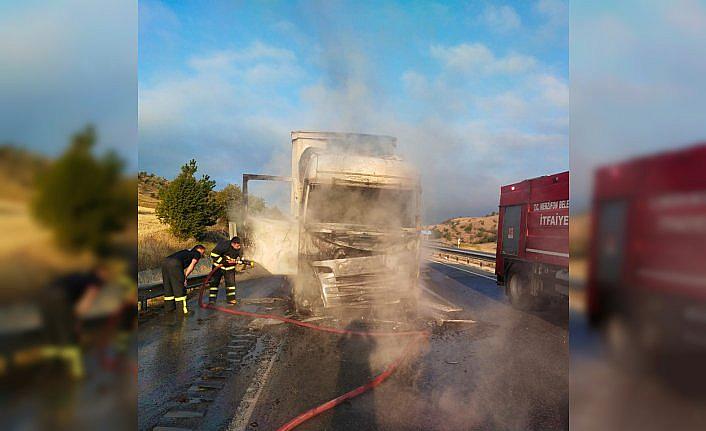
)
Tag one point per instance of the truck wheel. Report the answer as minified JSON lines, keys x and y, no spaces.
{"x":308,"y":298}
{"x":519,"y":294}
{"x":410,"y":308}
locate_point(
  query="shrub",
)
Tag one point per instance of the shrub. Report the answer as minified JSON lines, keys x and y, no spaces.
{"x":83,"y":198}
{"x":188,"y":205}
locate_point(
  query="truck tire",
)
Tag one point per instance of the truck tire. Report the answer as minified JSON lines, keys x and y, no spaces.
{"x":307,"y":297}
{"x":519,"y":294}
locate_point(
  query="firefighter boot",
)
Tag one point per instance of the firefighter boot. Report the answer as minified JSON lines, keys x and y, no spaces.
{"x":230,"y":295}
{"x":212,"y":294}
{"x":180,"y":303}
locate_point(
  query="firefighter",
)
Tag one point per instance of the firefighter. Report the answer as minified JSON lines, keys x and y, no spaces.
{"x":225,"y":255}
{"x":63,"y":302}
{"x":175,"y":269}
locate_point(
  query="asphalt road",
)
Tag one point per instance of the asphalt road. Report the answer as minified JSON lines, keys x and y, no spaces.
{"x":507,"y":371}
{"x":609,"y":395}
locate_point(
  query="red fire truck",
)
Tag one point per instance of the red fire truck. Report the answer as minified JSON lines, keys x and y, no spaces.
{"x":532,"y":258}
{"x":647,"y":264}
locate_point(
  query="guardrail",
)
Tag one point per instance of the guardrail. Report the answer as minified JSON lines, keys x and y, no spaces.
{"x":482,"y":255}
{"x":146,"y":292}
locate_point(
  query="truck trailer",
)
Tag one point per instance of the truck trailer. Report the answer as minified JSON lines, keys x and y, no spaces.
{"x":532,"y":257}
{"x":647,"y":268}
{"x":353,"y":237}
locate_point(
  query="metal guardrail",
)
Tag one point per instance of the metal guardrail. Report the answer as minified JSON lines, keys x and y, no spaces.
{"x":482,"y":255}
{"x":146,"y":292}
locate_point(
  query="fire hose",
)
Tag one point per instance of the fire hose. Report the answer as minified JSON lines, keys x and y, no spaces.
{"x":376,"y":381}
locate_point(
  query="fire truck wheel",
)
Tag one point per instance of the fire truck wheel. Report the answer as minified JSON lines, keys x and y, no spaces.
{"x":518,"y":292}
{"x":623,"y":349}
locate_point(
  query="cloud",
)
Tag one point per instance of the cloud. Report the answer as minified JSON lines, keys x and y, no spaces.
{"x":65,"y":64}
{"x":476,"y":58}
{"x":637,"y":84}
{"x":556,"y":16}
{"x":501,"y":19}
{"x":688,"y":16}
{"x":256,"y":52}
{"x":232,"y":100}
{"x":554,"y":90}
{"x":469,"y":117}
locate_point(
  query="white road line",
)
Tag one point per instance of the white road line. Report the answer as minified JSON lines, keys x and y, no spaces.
{"x":464,"y":270}
{"x":439,"y":297}
{"x":244,"y":412}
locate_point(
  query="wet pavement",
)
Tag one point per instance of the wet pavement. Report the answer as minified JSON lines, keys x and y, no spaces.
{"x":608,"y":395}
{"x":210,"y":370}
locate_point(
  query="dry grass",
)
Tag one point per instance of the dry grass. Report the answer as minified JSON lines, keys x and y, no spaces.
{"x":154,"y":241}
{"x":27,"y":245}
{"x":154,"y":246}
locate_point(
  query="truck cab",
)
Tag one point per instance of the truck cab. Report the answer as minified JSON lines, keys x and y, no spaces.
{"x":355,"y":222}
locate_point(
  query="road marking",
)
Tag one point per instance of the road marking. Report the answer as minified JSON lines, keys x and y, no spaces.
{"x":439,"y":297}
{"x":464,"y":270}
{"x":246,"y":408}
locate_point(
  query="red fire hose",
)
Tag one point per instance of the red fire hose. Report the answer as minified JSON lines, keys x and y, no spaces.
{"x":348,"y":395}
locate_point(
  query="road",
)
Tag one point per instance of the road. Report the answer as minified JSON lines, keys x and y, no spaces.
{"x":507,"y":371}
{"x":609,"y":396}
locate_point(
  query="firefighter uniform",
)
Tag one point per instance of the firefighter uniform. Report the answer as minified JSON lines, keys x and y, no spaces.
{"x":61,"y":324}
{"x":220,"y":255}
{"x":173,"y":279}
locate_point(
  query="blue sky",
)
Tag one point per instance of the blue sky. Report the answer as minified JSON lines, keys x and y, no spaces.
{"x":64,"y":64}
{"x":637,"y":82}
{"x":476,"y":92}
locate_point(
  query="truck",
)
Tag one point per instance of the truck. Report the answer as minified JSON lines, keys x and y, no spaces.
{"x":532,"y":257}
{"x":352,"y":239}
{"x":646,"y":281}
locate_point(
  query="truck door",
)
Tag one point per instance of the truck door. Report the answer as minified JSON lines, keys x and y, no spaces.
{"x":271,"y":242}
{"x":511,"y":229}
{"x":610,"y":241}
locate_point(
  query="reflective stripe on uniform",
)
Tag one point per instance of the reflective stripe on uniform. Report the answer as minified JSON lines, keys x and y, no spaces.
{"x":230,"y":287}
{"x":169,"y":298}
{"x":182,"y":298}
{"x":218,"y":258}
{"x":227,"y":268}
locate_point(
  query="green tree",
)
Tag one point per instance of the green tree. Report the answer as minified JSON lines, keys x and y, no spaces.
{"x":188,"y":205}
{"x":84,"y":198}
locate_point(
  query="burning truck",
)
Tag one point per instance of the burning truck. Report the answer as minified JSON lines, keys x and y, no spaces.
{"x":353,"y":236}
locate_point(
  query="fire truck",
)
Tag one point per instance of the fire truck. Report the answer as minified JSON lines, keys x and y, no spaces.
{"x":647,"y":267}
{"x":532,"y":257}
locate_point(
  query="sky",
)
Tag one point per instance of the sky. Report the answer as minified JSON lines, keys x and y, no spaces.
{"x":475,"y":92}
{"x":65,"y":64}
{"x":637,"y":83}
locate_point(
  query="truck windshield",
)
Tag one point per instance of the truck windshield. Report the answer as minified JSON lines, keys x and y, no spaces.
{"x":361,"y":206}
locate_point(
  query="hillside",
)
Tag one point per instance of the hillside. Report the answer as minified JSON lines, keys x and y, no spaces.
{"x":148,"y":186}
{"x":479,"y":233}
